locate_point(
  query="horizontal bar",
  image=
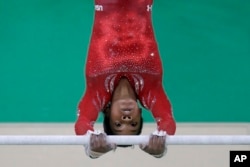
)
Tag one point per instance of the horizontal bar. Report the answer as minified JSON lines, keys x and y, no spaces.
{"x":124,"y":140}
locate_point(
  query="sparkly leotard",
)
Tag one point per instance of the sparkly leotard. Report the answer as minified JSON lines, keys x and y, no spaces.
{"x":123,"y":45}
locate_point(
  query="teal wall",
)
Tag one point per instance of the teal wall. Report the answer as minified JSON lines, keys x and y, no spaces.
{"x":205,"y":47}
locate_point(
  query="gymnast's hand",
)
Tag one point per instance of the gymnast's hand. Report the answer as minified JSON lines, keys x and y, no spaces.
{"x":98,"y":143}
{"x":156,"y":145}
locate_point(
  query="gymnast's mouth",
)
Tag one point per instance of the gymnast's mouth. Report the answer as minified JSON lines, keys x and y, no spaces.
{"x":126,"y":109}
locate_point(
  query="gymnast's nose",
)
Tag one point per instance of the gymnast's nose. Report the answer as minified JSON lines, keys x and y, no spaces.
{"x":126,"y":118}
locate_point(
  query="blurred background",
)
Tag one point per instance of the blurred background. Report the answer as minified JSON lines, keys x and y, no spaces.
{"x":205,"y":49}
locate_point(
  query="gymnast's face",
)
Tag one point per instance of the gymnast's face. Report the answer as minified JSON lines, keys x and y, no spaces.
{"x":125,"y":117}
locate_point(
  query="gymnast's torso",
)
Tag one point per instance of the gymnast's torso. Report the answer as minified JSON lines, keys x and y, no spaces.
{"x":123,"y":39}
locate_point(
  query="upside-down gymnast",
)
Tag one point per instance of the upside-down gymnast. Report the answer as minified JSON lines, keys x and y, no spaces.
{"x":123,"y":69}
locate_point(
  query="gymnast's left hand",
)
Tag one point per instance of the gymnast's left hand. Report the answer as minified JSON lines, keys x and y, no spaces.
{"x":156,"y":145}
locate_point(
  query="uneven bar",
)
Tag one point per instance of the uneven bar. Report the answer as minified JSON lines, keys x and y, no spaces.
{"x":124,"y":140}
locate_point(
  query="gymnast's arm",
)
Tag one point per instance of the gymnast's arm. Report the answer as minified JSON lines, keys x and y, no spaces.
{"x":93,"y":101}
{"x":87,"y":114}
{"x":162,"y":111}
{"x":88,"y":110}
{"x":157,"y":101}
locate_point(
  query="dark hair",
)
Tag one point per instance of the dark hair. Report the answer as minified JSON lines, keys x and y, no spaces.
{"x":108,"y":130}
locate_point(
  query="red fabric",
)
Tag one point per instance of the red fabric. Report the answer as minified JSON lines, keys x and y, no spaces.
{"x":123,"y":45}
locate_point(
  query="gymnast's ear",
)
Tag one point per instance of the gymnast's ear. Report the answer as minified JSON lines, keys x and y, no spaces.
{"x":106,"y":110}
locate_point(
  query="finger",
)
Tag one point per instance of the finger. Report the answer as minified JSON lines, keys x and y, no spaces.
{"x":92,"y":140}
{"x":152,"y":142}
{"x":161,"y":141}
{"x":112,"y":146}
{"x":96,"y":141}
{"x":103,"y":140}
{"x":143,"y":146}
{"x":157,"y":142}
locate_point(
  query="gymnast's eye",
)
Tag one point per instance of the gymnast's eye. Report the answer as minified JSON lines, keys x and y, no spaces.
{"x":118,"y":124}
{"x":134,"y":124}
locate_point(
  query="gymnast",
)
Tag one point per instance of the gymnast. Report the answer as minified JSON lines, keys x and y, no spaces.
{"x":123,"y":69}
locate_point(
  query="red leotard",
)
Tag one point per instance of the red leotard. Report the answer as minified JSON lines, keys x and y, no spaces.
{"x":123,"y":45}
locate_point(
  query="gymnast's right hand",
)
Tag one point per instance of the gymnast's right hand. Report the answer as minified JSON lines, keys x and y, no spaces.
{"x":98,"y":145}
